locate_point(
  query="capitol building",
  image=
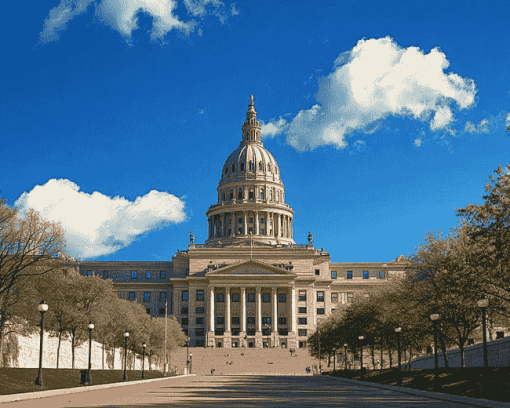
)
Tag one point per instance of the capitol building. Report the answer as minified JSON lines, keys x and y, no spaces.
{"x":249,"y":284}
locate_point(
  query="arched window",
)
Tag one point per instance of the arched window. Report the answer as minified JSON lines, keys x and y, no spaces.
{"x":242,"y":166}
{"x":231,"y":195}
{"x":240,"y":194}
{"x":233,"y":168}
{"x":223,"y":196}
{"x":271,"y":195}
{"x":260,"y":165}
{"x":251,"y":195}
{"x":251,"y":165}
{"x":261,"y":193}
{"x":268,"y":166}
{"x":226,"y":170}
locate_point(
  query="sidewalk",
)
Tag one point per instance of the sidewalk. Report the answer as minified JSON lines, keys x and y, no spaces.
{"x":63,"y":391}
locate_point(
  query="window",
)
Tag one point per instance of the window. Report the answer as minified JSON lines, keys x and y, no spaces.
{"x":147,"y":274}
{"x":266,"y":332}
{"x":365,"y":274}
{"x":133,"y":274}
{"x":262,"y":194}
{"x":251,"y":297}
{"x":302,"y":295}
{"x":251,"y":165}
{"x":184,"y":321}
{"x":262,"y":220}
{"x":317,"y":272}
{"x":218,"y":344}
{"x":302,"y":310}
{"x":89,"y":273}
{"x":302,"y":320}
{"x":223,"y":197}
{"x":200,"y":295}
{"x":333,"y":274}
{"x":200,"y":343}
{"x":320,"y":311}
{"x":302,"y":332}
{"x":220,"y":297}
{"x":266,"y":320}
{"x":162,"y":274}
{"x":320,"y":296}
{"x":262,"y":231}
{"x":235,"y":344}
{"x":251,"y":320}
{"x":184,"y":310}
{"x":282,"y":297}
{"x":260,"y":165}
{"x":235,"y":297}
{"x":239,"y":194}
{"x":270,"y":195}
{"x":283,"y":332}
{"x":185,"y":295}
{"x":131,"y":295}
{"x":199,"y":331}
{"x":233,"y":167}
{"x":235,"y":320}
{"x":302,"y":344}
{"x":236,"y":331}
{"x":334,"y":297}
{"x":250,"y":332}
{"x":231,"y":195}
{"x":226,"y":170}
{"x":147,"y":297}
{"x":220,"y":320}
{"x":349,"y":274}
{"x":199,"y":310}
{"x":148,"y":310}
{"x":242,"y":166}
{"x":266,"y":297}
{"x":200,"y":320}
{"x":105,"y":274}
{"x":219,"y":332}
{"x":282,"y":320}
{"x":381,"y":275}
{"x":162,"y":296}
{"x":240,"y":220}
{"x":161,"y":310}
{"x":268,"y":166}
{"x":350,"y":297}
{"x":251,"y":196}
{"x":250,"y":220}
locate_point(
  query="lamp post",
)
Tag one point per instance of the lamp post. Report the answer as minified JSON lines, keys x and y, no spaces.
{"x":361,"y":337}
{"x":345,"y":347}
{"x":320,"y":367}
{"x":143,"y":359}
{"x":334,"y":359}
{"x":187,"y":356}
{"x":398,"y":330}
{"x":42,"y":307}
{"x":483,"y":303}
{"x":435,"y":317}
{"x":190,"y":362}
{"x":126,"y":335}
{"x":90,"y":327}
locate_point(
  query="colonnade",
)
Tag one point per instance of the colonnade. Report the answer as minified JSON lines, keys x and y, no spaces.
{"x":258,"y":308}
{"x":220,"y":224}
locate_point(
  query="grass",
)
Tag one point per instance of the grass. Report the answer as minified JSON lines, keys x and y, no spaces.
{"x":21,"y":380}
{"x":475,"y":382}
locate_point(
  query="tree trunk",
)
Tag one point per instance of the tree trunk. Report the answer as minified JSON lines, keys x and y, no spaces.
{"x":103,"y":354}
{"x":443,"y":347}
{"x":405,"y":356}
{"x":1,"y":346}
{"x":58,"y":347}
{"x":329,"y":360}
{"x":372,"y":349}
{"x":113,"y":364}
{"x":73,"y":332}
{"x":382,"y":344}
{"x":461,"y":349}
{"x":410,"y":357}
{"x":389,"y":355}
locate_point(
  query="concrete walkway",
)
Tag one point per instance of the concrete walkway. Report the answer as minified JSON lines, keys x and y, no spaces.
{"x":249,"y":391}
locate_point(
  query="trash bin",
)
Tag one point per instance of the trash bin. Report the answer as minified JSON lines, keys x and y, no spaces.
{"x":84,"y":377}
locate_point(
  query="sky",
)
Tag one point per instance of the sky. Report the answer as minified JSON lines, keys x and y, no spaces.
{"x":116,"y":116}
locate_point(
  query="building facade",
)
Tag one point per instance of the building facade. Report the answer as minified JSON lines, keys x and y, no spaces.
{"x":249,"y":284}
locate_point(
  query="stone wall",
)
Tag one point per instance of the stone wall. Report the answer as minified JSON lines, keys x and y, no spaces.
{"x":23,"y":352}
{"x":498,"y":352}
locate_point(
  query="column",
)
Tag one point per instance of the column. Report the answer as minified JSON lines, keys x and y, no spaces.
{"x":235,"y":223}
{"x":274,"y":322}
{"x":222,"y":225}
{"x":211,"y":310}
{"x":258,"y":305}
{"x":232,"y":222}
{"x":293,"y":309}
{"x":227,"y":309}
{"x":279,"y":225}
{"x":209,"y":220}
{"x":245,"y":223}
{"x":243,"y":309}
{"x":291,"y":229}
{"x":257,"y":223}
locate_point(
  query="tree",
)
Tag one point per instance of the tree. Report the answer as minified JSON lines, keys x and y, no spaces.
{"x":29,"y":247}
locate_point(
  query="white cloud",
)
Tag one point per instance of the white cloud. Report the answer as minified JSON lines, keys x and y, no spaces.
{"x":483,"y":127}
{"x":374,"y":80}
{"x":122,"y":15}
{"x":96,"y":224}
{"x":418,"y":142}
{"x":273,"y":128}
{"x":508,"y":120}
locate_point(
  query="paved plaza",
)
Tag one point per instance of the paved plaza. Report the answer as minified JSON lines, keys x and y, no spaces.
{"x":240,"y":391}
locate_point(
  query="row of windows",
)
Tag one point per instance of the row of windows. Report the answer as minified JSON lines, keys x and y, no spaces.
{"x":251,"y":167}
{"x":148,"y":274}
{"x":147,"y":296}
{"x":366,"y":274}
{"x":250,"y":320}
{"x":220,"y":297}
{"x":251,"y":195}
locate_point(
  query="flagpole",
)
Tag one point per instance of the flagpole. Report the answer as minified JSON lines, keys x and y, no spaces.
{"x":166,"y":319}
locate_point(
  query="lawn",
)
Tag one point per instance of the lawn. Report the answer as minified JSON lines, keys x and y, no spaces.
{"x":20,"y":380}
{"x":475,"y":382}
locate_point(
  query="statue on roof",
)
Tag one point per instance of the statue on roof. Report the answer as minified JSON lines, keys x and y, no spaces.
{"x":191,"y":237}
{"x":310,"y":238}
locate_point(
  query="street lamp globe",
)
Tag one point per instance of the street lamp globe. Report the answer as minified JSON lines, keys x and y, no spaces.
{"x":361,"y":337}
{"x":126,"y":334}
{"x":434,"y":317}
{"x":42,"y":307}
{"x":483,"y":302}
{"x":398,"y":329}
{"x":144,"y":345}
{"x":90,"y":326}
{"x":345,"y":344}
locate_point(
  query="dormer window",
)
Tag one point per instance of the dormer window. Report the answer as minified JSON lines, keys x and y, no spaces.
{"x":268,"y":167}
{"x":231,"y":195}
{"x":240,"y":194}
{"x":261,"y":193}
{"x":226,"y":170}
{"x":242,"y":166}
{"x":233,"y":168}
{"x":271,"y":195}
{"x":251,"y":165}
{"x":223,"y":196}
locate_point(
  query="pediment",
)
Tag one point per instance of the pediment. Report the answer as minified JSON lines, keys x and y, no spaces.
{"x":250,"y":268}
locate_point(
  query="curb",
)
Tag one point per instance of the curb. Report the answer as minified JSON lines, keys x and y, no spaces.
{"x":62,"y":391}
{"x":436,"y":395}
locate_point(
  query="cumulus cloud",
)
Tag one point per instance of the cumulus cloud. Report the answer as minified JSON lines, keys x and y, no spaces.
{"x":508,"y":121}
{"x":374,"y":80}
{"x":483,"y":127}
{"x":418,"y":142}
{"x":97,"y":224}
{"x":122,"y":15}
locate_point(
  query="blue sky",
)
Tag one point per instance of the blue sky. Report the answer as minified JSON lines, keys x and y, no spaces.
{"x":384,"y":116}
